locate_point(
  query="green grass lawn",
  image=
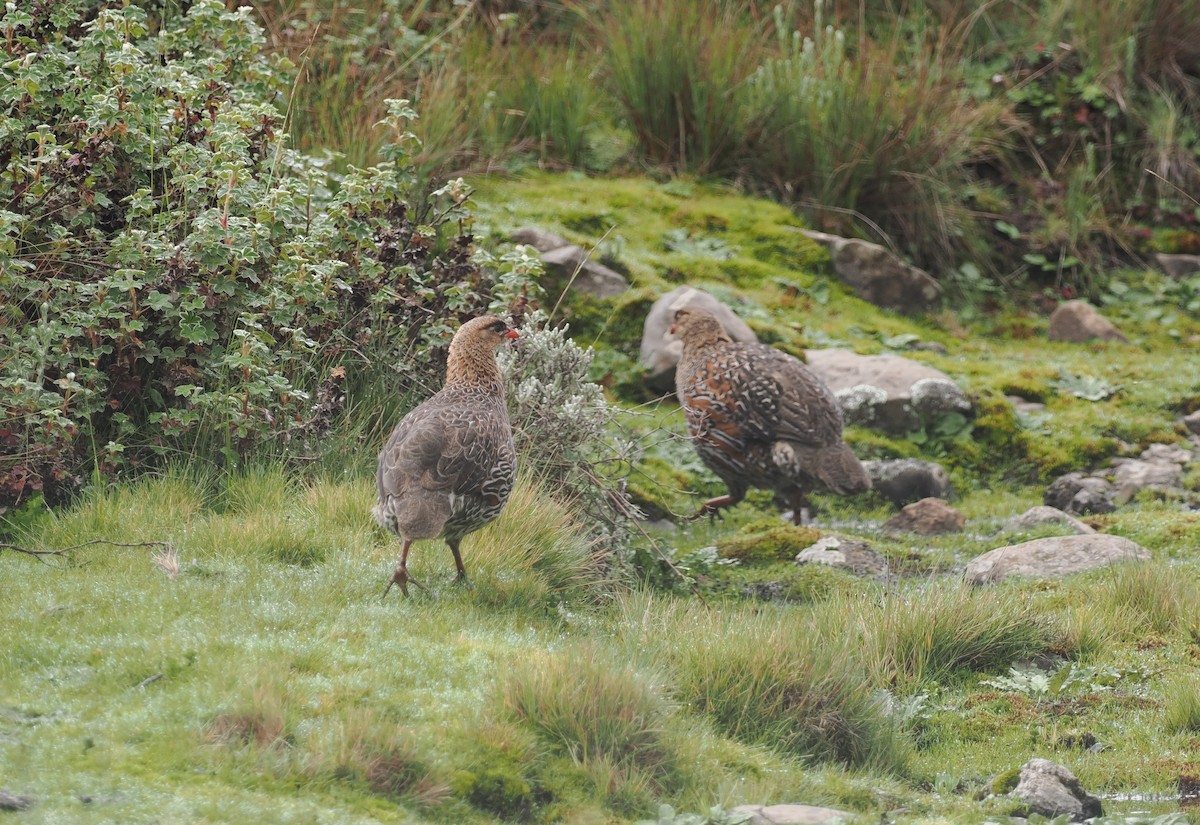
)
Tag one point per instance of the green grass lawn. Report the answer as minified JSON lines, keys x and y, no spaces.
{"x":237,"y":664}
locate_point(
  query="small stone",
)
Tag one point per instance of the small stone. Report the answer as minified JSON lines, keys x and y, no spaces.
{"x":1080,"y":494}
{"x":1167,"y":452}
{"x":905,"y":480}
{"x":935,"y":397}
{"x":1192,"y":422}
{"x":540,"y":239}
{"x":793,"y":814}
{"x":927,"y":517}
{"x":1051,"y":790}
{"x":10,"y":801}
{"x":588,"y":276}
{"x":1024,"y":405}
{"x":877,"y":275}
{"x":851,"y":554}
{"x":896,"y":377}
{"x":1078,"y":321}
{"x":1178,"y":266}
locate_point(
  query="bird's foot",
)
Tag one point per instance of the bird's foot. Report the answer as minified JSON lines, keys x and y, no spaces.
{"x":461,"y":579}
{"x":402,"y":578}
{"x":713,"y":511}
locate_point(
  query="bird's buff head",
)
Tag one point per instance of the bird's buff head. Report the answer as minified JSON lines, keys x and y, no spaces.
{"x":485,"y":333}
{"x":697,"y":326}
{"x":472,"y":351}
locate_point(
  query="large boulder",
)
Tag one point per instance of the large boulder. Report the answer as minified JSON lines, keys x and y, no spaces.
{"x":660,"y":353}
{"x":1051,"y":790}
{"x":878,"y":276}
{"x":905,"y":480}
{"x":1078,"y":321}
{"x":927,"y":517}
{"x":886,"y":391}
{"x":1053,"y":557}
{"x":793,"y":815}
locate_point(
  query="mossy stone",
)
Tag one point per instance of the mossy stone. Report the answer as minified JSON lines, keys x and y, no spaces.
{"x":752,"y":545}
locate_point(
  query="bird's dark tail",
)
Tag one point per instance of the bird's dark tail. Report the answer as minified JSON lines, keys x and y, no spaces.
{"x":836,"y":466}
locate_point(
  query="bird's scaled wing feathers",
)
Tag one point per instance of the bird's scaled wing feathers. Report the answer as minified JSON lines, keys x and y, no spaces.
{"x":783,"y":400}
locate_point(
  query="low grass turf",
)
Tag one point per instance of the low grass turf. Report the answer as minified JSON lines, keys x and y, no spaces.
{"x":251,"y":672}
{"x":235,"y":662}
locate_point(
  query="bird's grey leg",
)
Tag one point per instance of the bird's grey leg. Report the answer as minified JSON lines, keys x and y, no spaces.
{"x":461,"y":578}
{"x":400,"y":576}
{"x":800,"y":513}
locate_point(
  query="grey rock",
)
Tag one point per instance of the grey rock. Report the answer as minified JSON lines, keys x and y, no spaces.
{"x":1192,"y":422}
{"x":878,"y":276}
{"x":540,"y":239}
{"x":1132,"y":475}
{"x":1178,"y":266}
{"x":852,"y":554}
{"x":1052,"y":790}
{"x":659,"y":353}
{"x":1053,"y":557}
{"x":10,"y":801}
{"x":906,"y":480}
{"x":1038,"y":516}
{"x":1024,"y":405}
{"x":589,"y":276}
{"x":1080,"y":494}
{"x":1078,"y":321}
{"x":888,"y":404}
{"x":927,"y":517}
{"x":867,"y":405}
{"x":1167,"y":452}
{"x":793,"y":814}
{"x":935,"y":397}
{"x":929,"y":346}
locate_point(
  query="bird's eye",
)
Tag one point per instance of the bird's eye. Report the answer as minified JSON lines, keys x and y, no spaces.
{"x":499,"y":326}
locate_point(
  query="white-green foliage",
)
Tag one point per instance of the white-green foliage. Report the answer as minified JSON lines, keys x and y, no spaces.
{"x":562,"y":424}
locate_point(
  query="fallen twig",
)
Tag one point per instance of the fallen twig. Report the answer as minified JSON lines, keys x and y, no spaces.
{"x":149,"y":680}
{"x":66,"y":551}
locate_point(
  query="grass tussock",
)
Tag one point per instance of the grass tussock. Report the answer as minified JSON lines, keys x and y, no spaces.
{"x":535,"y":555}
{"x":773,"y":678}
{"x":603,"y":713}
{"x":367,"y":746}
{"x":923,"y":636}
{"x":1181,"y":705}
{"x":1149,"y":597}
{"x":260,"y":717}
{"x":672,"y":66}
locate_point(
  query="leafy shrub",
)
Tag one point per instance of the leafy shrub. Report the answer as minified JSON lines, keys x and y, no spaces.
{"x":176,"y":279}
